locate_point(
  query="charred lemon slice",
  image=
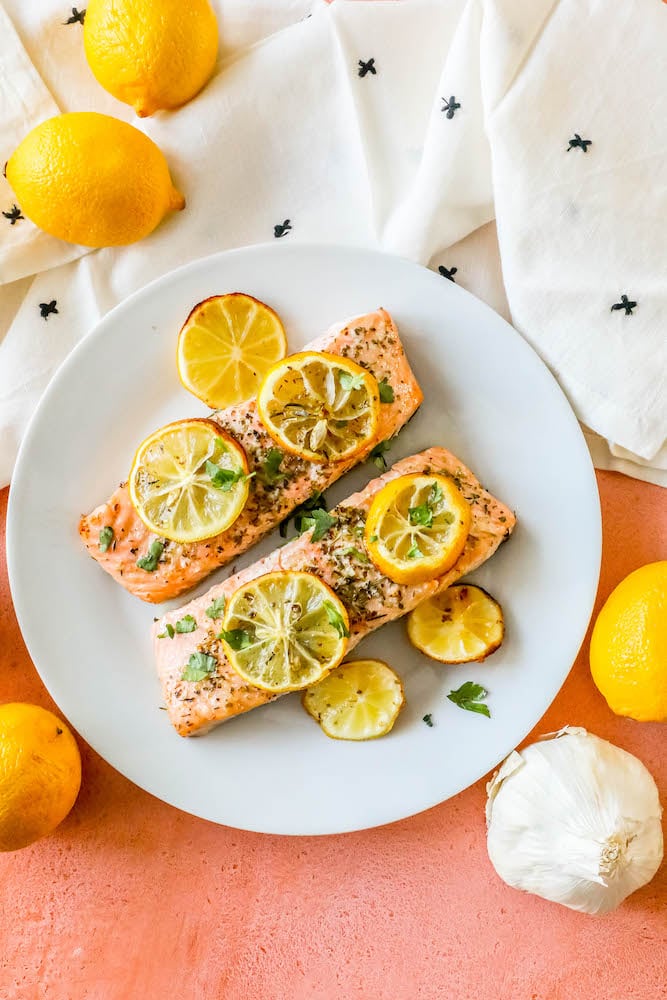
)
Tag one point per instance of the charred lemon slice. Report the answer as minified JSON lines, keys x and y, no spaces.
{"x":359,"y":700}
{"x":189,"y":481}
{"x":416,"y":528}
{"x":284,"y":631}
{"x":226,"y":346}
{"x":320,"y":407}
{"x":461,"y":624}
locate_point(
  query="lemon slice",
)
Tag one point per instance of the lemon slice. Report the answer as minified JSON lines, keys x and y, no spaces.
{"x":226,"y":346}
{"x":416,"y":528}
{"x":284,"y":631}
{"x":320,"y":407}
{"x":359,"y":700}
{"x":189,"y":480}
{"x":461,"y":624}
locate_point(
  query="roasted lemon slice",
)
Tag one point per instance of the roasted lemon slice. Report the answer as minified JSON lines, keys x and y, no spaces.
{"x":320,"y":407}
{"x":189,"y":480}
{"x":462,"y":623}
{"x":226,"y":346}
{"x":284,"y":631}
{"x":416,"y":527}
{"x":359,"y":700}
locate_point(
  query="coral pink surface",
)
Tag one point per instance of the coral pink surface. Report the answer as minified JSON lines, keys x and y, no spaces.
{"x":132,"y":899}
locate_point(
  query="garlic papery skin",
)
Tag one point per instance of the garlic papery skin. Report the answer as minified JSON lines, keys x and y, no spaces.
{"x":575,"y":820}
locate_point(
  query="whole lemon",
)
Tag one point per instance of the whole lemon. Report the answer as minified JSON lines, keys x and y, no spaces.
{"x":629,"y":646}
{"x":152,"y":54}
{"x":91,"y":179}
{"x":40,"y":774}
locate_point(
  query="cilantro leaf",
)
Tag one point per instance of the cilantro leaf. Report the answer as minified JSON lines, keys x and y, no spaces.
{"x":428,"y":719}
{"x":186,"y":624}
{"x":107,"y":536}
{"x":470,"y":697}
{"x":414,"y":552}
{"x":149,"y":561}
{"x":200,"y":665}
{"x":435,"y":495}
{"x":215,"y":610}
{"x":319,"y":520}
{"x":349,"y":381}
{"x":377,"y":454}
{"x":316,"y":500}
{"x":386,"y":391}
{"x":236,"y":638}
{"x":357,"y":553}
{"x":336,"y":619}
{"x":169,"y":632}
{"x":224,"y":479}
{"x":423,"y":515}
{"x":269,"y":472}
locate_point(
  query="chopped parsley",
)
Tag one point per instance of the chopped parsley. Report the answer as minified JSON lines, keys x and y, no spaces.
{"x":377,"y":455}
{"x":319,"y":520}
{"x":357,"y":553}
{"x":151,"y":559}
{"x":169,"y":632}
{"x":316,"y":501}
{"x":422,"y":515}
{"x":200,"y":665}
{"x":224,"y":479}
{"x":373,"y":538}
{"x":428,"y":719}
{"x":269,"y":472}
{"x":470,"y":697}
{"x":107,"y":537}
{"x":349,"y":381}
{"x":386,"y":391}
{"x":336,"y":619}
{"x":215,"y":610}
{"x":186,"y":624}
{"x":236,"y":638}
{"x":414,"y":552}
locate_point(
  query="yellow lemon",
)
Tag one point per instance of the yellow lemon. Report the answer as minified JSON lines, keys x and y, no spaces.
{"x":628,"y":653}
{"x":460,"y":624}
{"x":152,"y":54}
{"x":359,"y":700}
{"x":91,"y":179}
{"x":40,"y":774}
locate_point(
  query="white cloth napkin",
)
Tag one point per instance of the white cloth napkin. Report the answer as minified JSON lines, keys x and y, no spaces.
{"x":406,"y":125}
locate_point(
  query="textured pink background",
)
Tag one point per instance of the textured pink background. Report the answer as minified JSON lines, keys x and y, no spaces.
{"x":131,"y":898}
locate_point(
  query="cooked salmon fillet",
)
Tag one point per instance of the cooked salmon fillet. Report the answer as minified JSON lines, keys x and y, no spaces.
{"x":373,"y":342}
{"x":370,"y":597}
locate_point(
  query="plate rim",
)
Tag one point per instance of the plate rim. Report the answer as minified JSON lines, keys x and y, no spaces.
{"x":97,"y":333}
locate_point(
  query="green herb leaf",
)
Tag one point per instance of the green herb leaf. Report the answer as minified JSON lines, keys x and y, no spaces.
{"x":349,"y":381}
{"x":168,"y":633}
{"x":224,"y":479}
{"x":186,"y":624}
{"x":107,"y":537}
{"x":200,"y":665}
{"x":357,"y":553}
{"x":151,"y":559}
{"x":373,"y":538}
{"x":319,"y":520}
{"x":470,"y":697}
{"x":377,"y":454}
{"x":423,"y":515}
{"x":428,"y":719}
{"x":236,"y":638}
{"x":386,"y":391}
{"x":414,"y":552}
{"x":269,"y":472}
{"x":216,"y":609}
{"x":436,"y":493}
{"x":336,"y":619}
{"x":316,"y":501}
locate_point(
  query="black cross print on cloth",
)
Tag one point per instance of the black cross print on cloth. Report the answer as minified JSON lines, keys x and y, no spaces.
{"x":626,"y":304}
{"x":448,"y":272}
{"x":367,"y":67}
{"x":282,"y":229}
{"x":14,"y":214}
{"x":77,"y":17}
{"x":46,"y":308}
{"x":450,"y":106}
{"x":579,"y":143}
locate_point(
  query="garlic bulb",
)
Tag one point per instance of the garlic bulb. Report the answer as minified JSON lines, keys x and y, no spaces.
{"x":575,"y":820}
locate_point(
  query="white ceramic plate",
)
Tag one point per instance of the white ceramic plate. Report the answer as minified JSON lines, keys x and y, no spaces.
{"x":488,"y":398}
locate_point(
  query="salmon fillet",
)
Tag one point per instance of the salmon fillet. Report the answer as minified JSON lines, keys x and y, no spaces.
{"x":370,"y":597}
{"x":373,"y":342}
